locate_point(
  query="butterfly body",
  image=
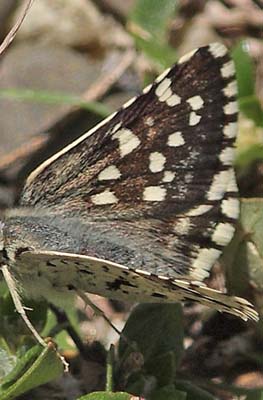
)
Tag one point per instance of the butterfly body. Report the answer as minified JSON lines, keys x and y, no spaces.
{"x":141,"y":206}
{"x":28,"y":232}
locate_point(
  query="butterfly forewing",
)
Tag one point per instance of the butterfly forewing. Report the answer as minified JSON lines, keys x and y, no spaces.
{"x":159,"y":171}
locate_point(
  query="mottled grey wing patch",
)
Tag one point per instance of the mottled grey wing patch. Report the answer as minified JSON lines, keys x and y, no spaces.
{"x":163,"y":160}
{"x":62,"y":272}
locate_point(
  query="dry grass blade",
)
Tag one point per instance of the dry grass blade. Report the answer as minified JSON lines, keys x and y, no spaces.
{"x":22,"y":152}
{"x":101,"y":86}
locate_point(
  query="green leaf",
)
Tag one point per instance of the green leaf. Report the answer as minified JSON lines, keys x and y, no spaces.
{"x":156,"y":330}
{"x":246,"y":157}
{"x":12,"y":327}
{"x":251,"y":244}
{"x":163,"y":368}
{"x":107,"y":396}
{"x":7,"y":360}
{"x":42,"y":96}
{"x":36,"y":367}
{"x":244,"y":261}
{"x":254,"y":395}
{"x":251,"y":107}
{"x":245,"y":70}
{"x":3,"y":288}
{"x":244,"y":256}
{"x":149,"y":23}
{"x":161,"y":54}
{"x":56,"y":330}
{"x":249,"y":104}
{"x":37,"y":311}
{"x":153,"y":16}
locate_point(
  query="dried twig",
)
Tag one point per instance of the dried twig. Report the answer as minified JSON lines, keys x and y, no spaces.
{"x":12,"y":33}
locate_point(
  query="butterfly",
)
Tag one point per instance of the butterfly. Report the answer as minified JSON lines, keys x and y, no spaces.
{"x":141,"y":206}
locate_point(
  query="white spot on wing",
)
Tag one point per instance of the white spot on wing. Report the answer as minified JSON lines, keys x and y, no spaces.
{"x":182,"y":226}
{"x":232,"y":184}
{"x":196,"y":102}
{"x":106,"y":197}
{"x":127,"y":141}
{"x":182,"y":283}
{"x":116,"y":127}
{"x":162,"y":87}
{"x":164,"y":93}
{"x":142,"y":272}
{"x":217,"y":50}
{"x":200,"y":210}
{"x":230,"y":207}
{"x":231,"y":89}
{"x":108,"y":173}
{"x":194,"y":119}
{"x":227,"y":156}
{"x":222,"y":182}
{"x":223,"y":234}
{"x":204,"y":261}
{"x":154,"y":193}
{"x":220,"y":185}
{"x":149,"y":121}
{"x":230,"y":130}
{"x":168,"y":176}
{"x":175,"y":139}
{"x":231,"y":108}
{"x":173,"y":100}
{"x":157,"y":162}
{"x":228,"y":69}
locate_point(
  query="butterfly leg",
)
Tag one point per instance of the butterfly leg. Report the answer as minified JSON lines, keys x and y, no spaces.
{"x":97,"y":310}
{"x":21,"y":310}
{"x":18,"y":304}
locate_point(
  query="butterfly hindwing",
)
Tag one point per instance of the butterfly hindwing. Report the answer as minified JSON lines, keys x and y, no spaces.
{"x":116,"y":281}
{"x":160,"y":168}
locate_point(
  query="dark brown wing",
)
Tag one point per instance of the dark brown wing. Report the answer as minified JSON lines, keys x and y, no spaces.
{"x":160,"y":168}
